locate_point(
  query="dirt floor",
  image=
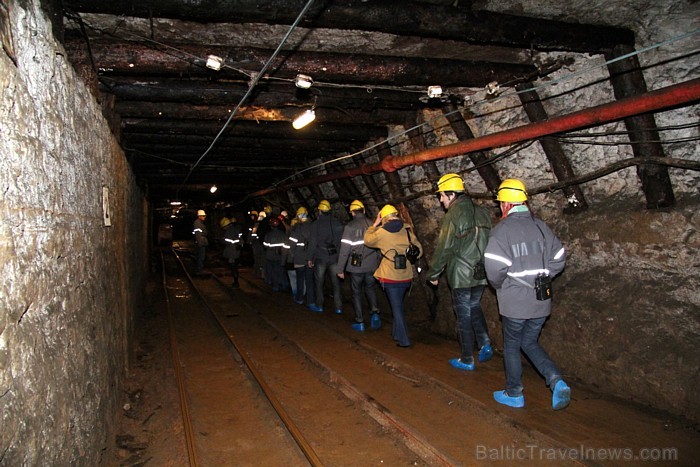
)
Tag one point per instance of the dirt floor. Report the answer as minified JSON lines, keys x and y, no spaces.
{"x":149,"y":425}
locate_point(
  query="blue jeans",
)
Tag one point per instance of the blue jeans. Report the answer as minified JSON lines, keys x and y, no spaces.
{"x":321,"y":266}
{"x":201,"y":255}
{"x":523,"y":334}
{"x":275,"y":273}
{"x":395,"y":292}
{"x":470,"y":320}
{"x":305,"y":285}
{"x":292,"y":277}
{"x":363,"y":283}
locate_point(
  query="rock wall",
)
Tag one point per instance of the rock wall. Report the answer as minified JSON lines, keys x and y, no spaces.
{"x":70,"y":284}
{"x":626,"y":315}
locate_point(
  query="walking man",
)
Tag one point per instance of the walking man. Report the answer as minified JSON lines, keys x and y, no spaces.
{"x":459,"y":254}
{"x":322,"y":256}
{"x":522,"y":257}
{"x":199,"y":230}
{"x":360,"y":262}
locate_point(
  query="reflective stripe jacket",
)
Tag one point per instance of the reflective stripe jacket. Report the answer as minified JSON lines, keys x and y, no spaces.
{"x":353,"y":242}
{"x":298,"y":242}
{"x":522,"y":246}
{"x":461,"y":244}
{"x":233,"y":239}
{"x":199,"y":230}
{"x":275,"y":245}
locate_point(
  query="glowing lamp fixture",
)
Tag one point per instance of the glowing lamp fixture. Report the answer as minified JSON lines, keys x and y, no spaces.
{"x":175,"y":203}
{"x":493,"y":88}
{"x":303,"y":81}
{"x":434,"y":92}
{"x":214,"y":62}
{"x":304,"y":119}
{"x":213,"y":189}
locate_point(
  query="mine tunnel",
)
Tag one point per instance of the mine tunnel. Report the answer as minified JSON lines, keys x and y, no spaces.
{"x":159,"y":157}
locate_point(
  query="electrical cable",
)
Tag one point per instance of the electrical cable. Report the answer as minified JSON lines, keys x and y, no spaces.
{"x":253,"y":83}
{"x":498,"y":97}
{"x":257,"y":76}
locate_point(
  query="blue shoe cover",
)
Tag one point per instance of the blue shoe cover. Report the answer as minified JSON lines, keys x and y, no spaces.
{"x":502,"y":398}
{"x":375,"y":322}
{"x":457,"y":363}
{"x":561,"y":395}
{"x":338,"y":311}
{"x":486,"y":353}
{"x":315,"y":308}
{"x":358,"y":327}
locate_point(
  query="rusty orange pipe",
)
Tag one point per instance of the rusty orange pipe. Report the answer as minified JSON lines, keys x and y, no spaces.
{"x":677,"y":94}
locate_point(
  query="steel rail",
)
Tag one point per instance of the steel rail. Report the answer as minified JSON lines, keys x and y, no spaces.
{"x":288,"y":422}
{"x":182,"y":390}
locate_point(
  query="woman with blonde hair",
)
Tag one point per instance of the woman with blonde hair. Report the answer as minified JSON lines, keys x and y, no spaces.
{"x":392,"y":238}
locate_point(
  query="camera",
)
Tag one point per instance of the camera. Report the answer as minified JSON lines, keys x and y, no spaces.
{"x":356,"y":259}
{"x":543,"y":287}
{"x":479,"y":271}
{"x":400,"y":261}
{"x":412,"y":253}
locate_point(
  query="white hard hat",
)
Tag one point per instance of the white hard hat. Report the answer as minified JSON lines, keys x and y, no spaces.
{"x":201,"y":213}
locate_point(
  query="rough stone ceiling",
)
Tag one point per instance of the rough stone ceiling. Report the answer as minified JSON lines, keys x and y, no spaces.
{"x":371,"y":62}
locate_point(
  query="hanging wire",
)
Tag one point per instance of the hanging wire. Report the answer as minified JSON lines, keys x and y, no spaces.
{"x":255,"y":78}
{"x":501,"y":96}
{"x":253,"y":83}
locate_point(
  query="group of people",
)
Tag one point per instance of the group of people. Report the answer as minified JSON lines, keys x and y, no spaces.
{"x":518,"y":257}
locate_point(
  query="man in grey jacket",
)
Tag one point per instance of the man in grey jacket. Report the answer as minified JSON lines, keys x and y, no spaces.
{"x":522,"y":256}
{"x":360,"y":262}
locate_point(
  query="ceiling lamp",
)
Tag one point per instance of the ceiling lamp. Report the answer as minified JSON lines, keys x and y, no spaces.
{"x":434,"y":92}
{"x":493,"y":88}
{"x":304,"y":119}
{"x":175,"y":203}
{"x":213,"y":189}
{"x":303,"y":81}
{"x":214,"y":62}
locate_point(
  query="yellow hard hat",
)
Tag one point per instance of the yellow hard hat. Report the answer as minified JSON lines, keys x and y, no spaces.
{"x":512,"y":191}
{"x":224,"y":222}
{"x":355,"y":205}
{"x":324,"y":205}
{"x":388,"y":210}
{"x":301,"y":210}
{"x":450,"y":182}
{"x":253,"y":213}
{"x":201,"y":212}
{"x":267,"y":209}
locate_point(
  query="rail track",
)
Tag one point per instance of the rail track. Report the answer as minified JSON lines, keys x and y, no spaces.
{"x":263,"y":381}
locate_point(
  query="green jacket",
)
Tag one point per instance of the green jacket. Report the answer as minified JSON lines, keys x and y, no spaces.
{"x":464,"y":234}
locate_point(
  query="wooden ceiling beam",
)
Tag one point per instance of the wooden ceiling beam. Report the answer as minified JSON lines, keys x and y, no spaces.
{"x":245,"y":128}
{"x":121,"y":57}
{"x":324,"y":113}
{"x":459,"y":23}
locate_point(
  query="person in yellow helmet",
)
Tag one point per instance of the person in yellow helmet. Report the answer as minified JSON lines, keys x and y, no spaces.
{"x":233,"y":243}
{"x":360,"y":262}
{"x":298,"y":241}
{"x":391,"y":237}
{"x":322,"y":256}
{"x":459,"y":255}
{"x":522,"y":256}
{"x":201,"y":240}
